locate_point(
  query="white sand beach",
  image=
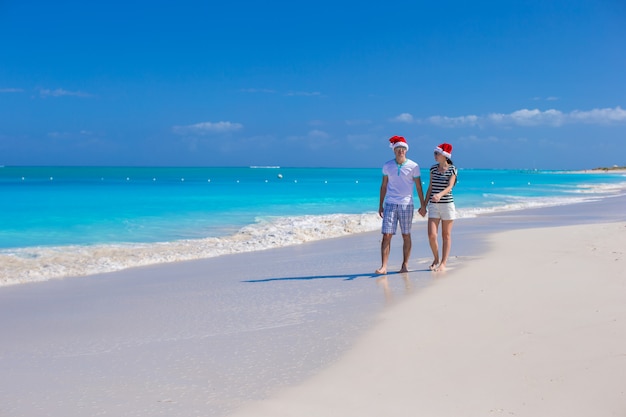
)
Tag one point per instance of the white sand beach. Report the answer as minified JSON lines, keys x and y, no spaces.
{"x":526,"y":322}
{"x":536,"y":327}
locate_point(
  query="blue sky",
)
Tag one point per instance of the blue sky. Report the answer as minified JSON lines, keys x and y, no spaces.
{"x":510,"y":84}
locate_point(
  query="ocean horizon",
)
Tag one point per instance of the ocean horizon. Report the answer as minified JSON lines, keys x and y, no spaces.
{"x":74,"y":221}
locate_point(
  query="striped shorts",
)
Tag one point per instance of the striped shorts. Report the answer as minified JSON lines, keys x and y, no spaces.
{"x":397,"y":213}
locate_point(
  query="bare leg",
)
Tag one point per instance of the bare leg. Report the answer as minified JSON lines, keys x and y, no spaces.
{"x":446,"y":237}
{"x":385,"y":246}
{"x":406,"y":252}
{"x":433,"y":226}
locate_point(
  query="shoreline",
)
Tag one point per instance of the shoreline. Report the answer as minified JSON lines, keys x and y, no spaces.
{"x":41,"y":264}
{"x":207,"y":337}
{"x":616,"y":169}
{"x":493,"y":338}
{"x":48,"y":253}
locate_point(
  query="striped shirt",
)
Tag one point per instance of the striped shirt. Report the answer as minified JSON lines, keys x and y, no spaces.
{"x":439,"y":181}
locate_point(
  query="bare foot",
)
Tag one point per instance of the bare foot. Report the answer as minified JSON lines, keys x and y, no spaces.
{"x":433,"y":266}
{"x":381,"y":271}
{"x":404,"y":269}
{"x":441,"y":267}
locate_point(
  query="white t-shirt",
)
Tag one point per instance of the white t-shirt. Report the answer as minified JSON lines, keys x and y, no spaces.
{"x":401,"y":181}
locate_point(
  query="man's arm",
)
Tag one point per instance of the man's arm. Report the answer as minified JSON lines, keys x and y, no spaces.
{"x":383,"y":193}
{"x":420,"y":190}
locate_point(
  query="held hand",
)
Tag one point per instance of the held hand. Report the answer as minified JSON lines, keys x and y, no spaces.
{"x":422,"y":211}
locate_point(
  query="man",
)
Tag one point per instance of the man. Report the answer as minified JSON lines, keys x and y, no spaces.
{"x":396,"y":201}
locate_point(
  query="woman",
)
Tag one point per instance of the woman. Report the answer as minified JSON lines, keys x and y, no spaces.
{"x":441,"y":208}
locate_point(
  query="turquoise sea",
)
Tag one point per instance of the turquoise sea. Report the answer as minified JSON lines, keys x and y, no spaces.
{"x":66,"y":221}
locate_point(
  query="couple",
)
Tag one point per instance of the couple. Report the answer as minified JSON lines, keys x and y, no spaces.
{"x":396,"y":202}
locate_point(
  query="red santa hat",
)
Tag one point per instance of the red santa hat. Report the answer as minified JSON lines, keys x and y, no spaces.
{"x":396,"y":141}
{"x":445,"y":149}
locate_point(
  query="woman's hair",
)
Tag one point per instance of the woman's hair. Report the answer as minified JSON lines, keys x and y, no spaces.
{"x":456,"y":178}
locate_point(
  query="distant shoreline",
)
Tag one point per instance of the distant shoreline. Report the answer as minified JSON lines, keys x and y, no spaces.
{"x":611,"y":169}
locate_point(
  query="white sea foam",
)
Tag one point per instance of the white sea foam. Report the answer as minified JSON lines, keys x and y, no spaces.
{"x":514,"y":203}
{"x":599,"y":188}
{"x":43,"y":263}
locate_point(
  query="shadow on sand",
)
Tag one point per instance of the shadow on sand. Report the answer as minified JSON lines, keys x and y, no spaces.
{"x":345,"y":277}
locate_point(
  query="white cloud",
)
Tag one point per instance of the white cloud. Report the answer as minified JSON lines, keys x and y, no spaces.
{"x":599,"y":116}
{"x":65,"y":135}
{"x":59,"y":92}
{"x":403,"y":118}
{"x":304,"y":93}
{"x":527,"y":117}
{"x":59,"y":135}
{"x":549,"y":98}
{"x":288,"y":94}
{"x":445,"y":121}
{"x":207,"y":128}
{"x":11,"y":90}
{"x":257,"y":90}
{"x":318,"y":134}
{"x":534,"y":117}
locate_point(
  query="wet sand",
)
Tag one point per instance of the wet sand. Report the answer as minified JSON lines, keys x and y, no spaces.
{"x":271,"y":332}
{"x":537,"y":327}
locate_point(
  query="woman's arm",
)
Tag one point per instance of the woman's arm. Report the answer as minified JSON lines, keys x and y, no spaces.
{"x":429,"y":190}
{"x":446,"y":190}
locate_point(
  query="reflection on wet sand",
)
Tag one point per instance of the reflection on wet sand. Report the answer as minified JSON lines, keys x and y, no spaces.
{"x":383,"y":282}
